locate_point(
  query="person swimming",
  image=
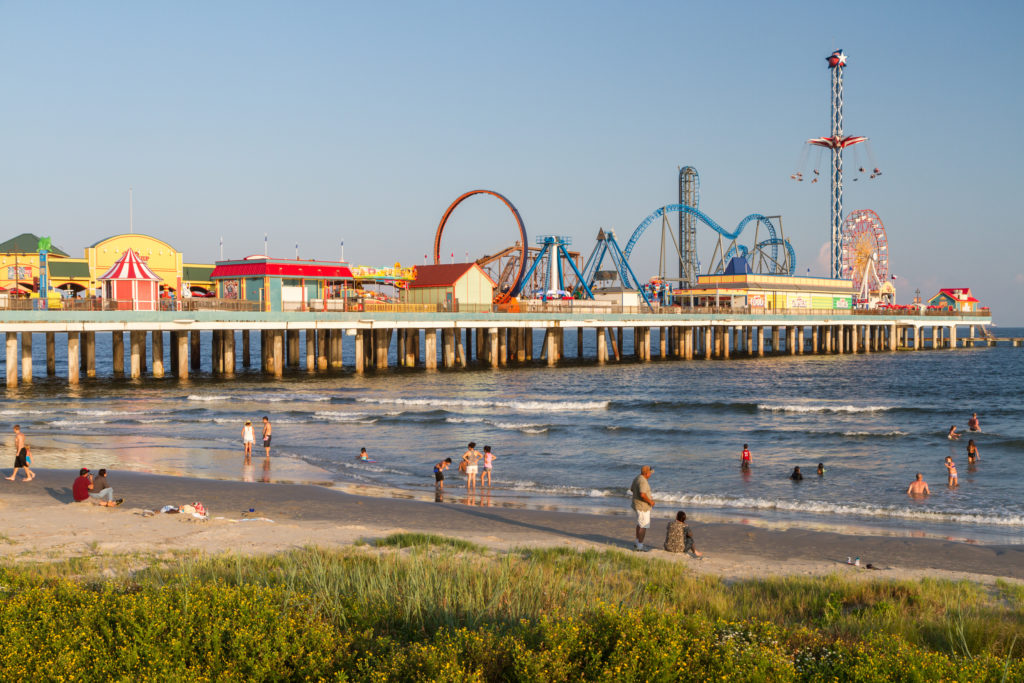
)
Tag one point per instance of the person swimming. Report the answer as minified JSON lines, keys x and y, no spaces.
{"x":952,"y":436}
{"x":797,"y":475}
{"x":821,"y":469}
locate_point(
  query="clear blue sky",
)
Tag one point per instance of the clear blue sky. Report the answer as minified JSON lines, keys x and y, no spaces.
{"x":322,"y":122}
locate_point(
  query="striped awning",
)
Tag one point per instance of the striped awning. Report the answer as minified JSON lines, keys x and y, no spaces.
{"x":130,"y":267}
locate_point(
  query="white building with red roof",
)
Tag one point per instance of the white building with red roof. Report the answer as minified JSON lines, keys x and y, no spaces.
{"x":959,"y":300}
{"x":132,"y":284}
{"x":452,"y":286}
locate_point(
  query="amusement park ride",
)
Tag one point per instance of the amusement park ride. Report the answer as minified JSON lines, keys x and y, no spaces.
{"x":859,"y":248}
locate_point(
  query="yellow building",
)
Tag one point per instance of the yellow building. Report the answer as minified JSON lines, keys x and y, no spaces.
{"x":77,"y":275}
{"x":768,"y":292}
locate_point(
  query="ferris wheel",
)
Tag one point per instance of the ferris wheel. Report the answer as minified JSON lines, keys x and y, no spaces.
{"x":864,"y":240}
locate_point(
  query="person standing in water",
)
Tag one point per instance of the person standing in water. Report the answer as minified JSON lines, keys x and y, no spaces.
{"x":745,"y":458}
{"x":485,"y":476}
{"x":267,"y":429}
{"x":248,"y":439}
{"x":952,"y":481}
{"x":918,"y":487}
{"x":471,"y":457}
{"x":972,"y":452}
{"x":952,"y":436}
{"x":972,"y":424}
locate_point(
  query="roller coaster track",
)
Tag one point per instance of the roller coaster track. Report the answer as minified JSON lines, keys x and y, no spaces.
{"x":760,"y":246}
{"x":706,"y":220}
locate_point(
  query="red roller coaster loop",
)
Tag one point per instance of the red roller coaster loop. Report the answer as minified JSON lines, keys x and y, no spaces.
{"x":499,"y":297}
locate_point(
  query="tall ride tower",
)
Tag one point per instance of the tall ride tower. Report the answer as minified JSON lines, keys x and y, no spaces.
{"x":836,"y":143}
{"x":689,"y":194}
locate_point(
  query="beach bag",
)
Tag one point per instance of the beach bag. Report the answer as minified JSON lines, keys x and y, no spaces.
{"x":462,"y":466}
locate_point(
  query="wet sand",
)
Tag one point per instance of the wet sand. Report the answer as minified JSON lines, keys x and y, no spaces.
{"x":41,"y":522}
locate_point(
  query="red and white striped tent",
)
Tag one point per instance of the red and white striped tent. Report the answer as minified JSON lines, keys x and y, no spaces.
{"x":131,"y":283}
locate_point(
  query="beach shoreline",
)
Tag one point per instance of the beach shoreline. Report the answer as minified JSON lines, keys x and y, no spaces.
{"x":43,"y":525}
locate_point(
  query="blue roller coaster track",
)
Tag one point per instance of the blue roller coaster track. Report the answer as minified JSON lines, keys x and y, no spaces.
{"x":773,"y":242}
{"x":743,"y":252}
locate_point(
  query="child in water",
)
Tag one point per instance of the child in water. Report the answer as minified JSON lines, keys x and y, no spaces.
{"x":363,"y":455}
{"x":951,"y":480}
{"x":952,"y":436}
{"x":745,"y":458}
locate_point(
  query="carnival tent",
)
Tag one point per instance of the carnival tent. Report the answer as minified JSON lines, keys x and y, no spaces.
{"x":131,"y":283}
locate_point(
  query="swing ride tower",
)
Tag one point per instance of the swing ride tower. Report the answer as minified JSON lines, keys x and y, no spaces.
{"x":837,"y":143}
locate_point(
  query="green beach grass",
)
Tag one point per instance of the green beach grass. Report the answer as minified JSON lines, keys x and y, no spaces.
{"x":421,"y":607}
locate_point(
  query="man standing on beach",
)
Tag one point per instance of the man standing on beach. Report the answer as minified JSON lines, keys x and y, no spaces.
{"x":642,"y":504}
{"x":266,"y":435}
{"x":919,"y":487}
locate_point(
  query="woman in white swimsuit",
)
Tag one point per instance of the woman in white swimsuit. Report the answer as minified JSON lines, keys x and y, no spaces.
{"x":248,"y":438}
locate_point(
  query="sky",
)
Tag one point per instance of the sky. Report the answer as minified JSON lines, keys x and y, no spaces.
{"x":321,"y":123}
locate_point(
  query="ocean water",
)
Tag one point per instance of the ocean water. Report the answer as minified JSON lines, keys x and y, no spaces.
{"x":573,"y":437}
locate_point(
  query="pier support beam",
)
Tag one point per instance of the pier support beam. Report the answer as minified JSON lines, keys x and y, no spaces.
{"x":430,"y":349}
{"x":181,"y":344}
{"x":196,"y":353}
{"x":136,"y":352}
{"x":277,"y":358}
{"x":321,"y":350}
{"x":228,"y":352}
{"x":117,"y":353}
{"x":494,"y":347}
{"x":310,"y":350}
{"x":51,"y":353}
{"x":551,"y":346}
{"x":775,"y":338}
{"x":12,"y":357}
{"x":73,"y":353}
{"x":360,"y":351}
{"x":26,"y":357}
{"x":448,"y":348}
{"x":245,"y":348}
{"x":602,"y":346}
{"x":157,"y":345}
{"x":709,"y":342}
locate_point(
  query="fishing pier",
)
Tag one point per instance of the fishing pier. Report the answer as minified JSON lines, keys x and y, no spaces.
{"x":162,"y":344}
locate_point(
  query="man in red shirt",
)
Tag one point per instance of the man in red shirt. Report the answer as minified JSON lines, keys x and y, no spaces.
{"x":80,"y":489}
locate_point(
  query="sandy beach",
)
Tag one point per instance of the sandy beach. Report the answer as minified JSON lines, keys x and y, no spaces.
{"x":41,"y":523}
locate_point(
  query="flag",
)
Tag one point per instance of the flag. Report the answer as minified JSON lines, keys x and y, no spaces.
{"x":894,"y":277}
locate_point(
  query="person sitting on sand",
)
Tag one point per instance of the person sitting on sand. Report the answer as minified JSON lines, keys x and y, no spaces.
{"x":83,"y":485}
{"x":972,"y":452}
{"x":797,"y":475}
{"x":678,"y":538}
{"x":101,"y":491}
{"x":952,"y":436}
{"x":821,"y":469}
{"x":439,"y":469}
{"x":952,"y":480}
{"x":973,"y":424}
{"x":745,"y":458}
{"x":918,"y":487}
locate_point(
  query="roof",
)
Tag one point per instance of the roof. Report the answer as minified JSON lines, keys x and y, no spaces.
{"x":129,"y":234}
{"x":130,"y":267}
{"x":26,"y":243}
{"x":964,"y":294}
{"x":263,"y":267}
{"x":445,"y":275}
{"x":194,"y":272}
{"x":69,"y":269}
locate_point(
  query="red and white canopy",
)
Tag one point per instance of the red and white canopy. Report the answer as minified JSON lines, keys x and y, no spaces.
{"x":130,"y":267}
